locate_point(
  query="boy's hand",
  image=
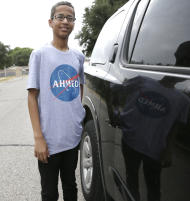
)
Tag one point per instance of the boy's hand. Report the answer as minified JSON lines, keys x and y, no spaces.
{"x":41,"y":149}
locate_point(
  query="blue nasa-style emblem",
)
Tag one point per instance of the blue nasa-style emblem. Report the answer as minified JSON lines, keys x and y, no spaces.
{"x":153,"y":104}
{"x":64,"y":83}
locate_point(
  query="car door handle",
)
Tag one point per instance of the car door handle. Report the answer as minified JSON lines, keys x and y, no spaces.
{"x":108,"y":122}
{"x":114,"y":53}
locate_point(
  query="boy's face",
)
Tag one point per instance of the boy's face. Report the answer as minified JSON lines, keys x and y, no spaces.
{"x":62,"y":27}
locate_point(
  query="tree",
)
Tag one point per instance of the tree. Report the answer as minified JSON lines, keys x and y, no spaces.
{"x":4,"y":50}
{"x":20,"y":56}
{"x":93,"y":21}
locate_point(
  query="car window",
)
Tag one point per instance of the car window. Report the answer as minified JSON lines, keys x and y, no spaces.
{"x":164,"y":37}
{"x":106,"y":39}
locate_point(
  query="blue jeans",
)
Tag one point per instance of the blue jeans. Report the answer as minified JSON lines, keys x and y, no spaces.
{"x":65,"y":164}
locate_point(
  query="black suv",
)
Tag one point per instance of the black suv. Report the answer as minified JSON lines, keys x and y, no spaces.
{"x":136,"y":140}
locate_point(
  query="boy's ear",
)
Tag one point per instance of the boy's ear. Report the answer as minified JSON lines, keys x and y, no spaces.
{"x":50,"y":21}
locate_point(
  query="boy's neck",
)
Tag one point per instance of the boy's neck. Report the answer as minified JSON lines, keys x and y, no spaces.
{"x":61,"y":44}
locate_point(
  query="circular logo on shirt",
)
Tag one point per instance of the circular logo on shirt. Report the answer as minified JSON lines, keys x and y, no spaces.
{"x":153,"y":104}
{"x":64,"y":83}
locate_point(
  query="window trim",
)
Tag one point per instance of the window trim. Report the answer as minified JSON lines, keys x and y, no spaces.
{"x":124,"y":56}
{"x":139,"y":29}
{"x":165,"y":69}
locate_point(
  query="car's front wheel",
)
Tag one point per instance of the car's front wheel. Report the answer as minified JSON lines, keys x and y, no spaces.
{"x":89,"y":165}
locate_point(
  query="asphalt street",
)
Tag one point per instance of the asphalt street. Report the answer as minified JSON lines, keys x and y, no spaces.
{"x":19,"y":177}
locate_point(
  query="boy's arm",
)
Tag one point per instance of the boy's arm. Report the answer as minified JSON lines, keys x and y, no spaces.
{"x":40,"y":148}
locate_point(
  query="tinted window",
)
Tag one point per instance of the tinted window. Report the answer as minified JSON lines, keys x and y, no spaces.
{"x":164,"y":38}
{"x":108,"y":36}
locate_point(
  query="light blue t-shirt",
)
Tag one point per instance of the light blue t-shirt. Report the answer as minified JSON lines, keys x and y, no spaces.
{"x":58,"y":76}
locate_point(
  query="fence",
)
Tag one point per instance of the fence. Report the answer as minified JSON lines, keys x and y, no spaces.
{"x":14,"y":71}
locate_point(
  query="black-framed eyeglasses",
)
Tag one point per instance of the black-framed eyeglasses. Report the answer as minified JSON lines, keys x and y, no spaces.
{"x":61,"y":17}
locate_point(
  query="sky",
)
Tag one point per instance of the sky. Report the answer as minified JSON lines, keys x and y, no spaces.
{"x":24,"y":23}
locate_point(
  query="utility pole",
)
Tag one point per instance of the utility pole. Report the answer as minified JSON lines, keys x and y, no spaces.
{"x":5,"y":71}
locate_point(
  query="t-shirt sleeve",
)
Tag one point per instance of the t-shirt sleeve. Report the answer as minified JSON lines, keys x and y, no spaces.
{"x":81,"y":72}
{"x":34,"y":71}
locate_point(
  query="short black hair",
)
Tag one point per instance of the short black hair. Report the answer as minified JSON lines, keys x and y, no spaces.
{"x":61,"y":3}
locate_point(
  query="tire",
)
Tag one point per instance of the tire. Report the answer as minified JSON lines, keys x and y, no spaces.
{"x":91,"y":182}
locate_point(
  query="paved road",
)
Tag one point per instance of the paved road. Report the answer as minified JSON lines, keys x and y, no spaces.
{"x":19,"y":178}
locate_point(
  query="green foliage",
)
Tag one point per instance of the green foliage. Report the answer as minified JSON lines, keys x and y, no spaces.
{"x":4,"y":50}
{"x":93,"y":21}
{"x":20,"y":56}
{"x":117,"y":3}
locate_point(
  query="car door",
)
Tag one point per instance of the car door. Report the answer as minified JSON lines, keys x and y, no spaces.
{"x":111,"y":88}
{"x":106,"y":48}
{"x":150,"y":107}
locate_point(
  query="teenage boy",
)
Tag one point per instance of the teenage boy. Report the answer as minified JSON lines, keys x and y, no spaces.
{"x":55,"y":88}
